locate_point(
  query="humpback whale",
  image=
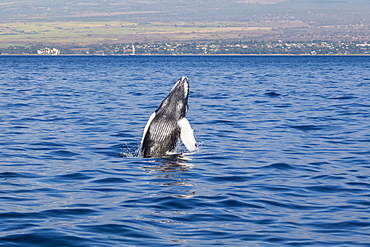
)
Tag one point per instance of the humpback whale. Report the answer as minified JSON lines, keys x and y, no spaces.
{"x":168,"y":123}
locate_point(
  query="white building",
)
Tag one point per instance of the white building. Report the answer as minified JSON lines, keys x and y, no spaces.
{"x":48,"y":51}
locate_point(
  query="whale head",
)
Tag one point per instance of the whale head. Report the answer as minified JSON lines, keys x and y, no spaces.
{"x":175,"y":105}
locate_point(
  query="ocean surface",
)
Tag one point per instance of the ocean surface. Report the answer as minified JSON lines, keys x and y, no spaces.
{"x":283,"y":154}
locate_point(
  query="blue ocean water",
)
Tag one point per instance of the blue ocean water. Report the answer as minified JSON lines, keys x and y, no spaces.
{"x":283,"y":157}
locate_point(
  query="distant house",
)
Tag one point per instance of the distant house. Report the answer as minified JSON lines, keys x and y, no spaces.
{"x":48,"y":51}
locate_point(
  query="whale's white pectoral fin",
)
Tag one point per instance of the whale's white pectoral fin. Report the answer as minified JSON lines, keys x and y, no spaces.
{"x":187,"y":134}
{"x":147,"y":126}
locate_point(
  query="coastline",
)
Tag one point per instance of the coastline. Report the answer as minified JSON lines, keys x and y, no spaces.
{"x":189,"y":55}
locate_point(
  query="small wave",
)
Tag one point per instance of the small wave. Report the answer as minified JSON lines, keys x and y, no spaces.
{"x":279,"y":166}
{"x":6,"y":175}
{"x":308,"y":127}
{"x":70,"y":177}
{"x":272,"y":94}
{"x":63,"y":153}
{"x":343,"y":97}
{"x":234,"y":179}
{"x":121,"y":231}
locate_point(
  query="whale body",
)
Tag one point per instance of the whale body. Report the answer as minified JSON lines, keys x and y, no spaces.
{"x":168,"y":124}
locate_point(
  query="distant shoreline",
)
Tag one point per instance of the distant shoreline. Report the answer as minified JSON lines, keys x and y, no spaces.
{"x":189,"y":55}
{"x":215,"y":48}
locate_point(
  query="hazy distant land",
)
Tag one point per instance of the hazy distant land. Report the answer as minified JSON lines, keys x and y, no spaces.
{"x":84,"y":33}
{"x":83,"y":23}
